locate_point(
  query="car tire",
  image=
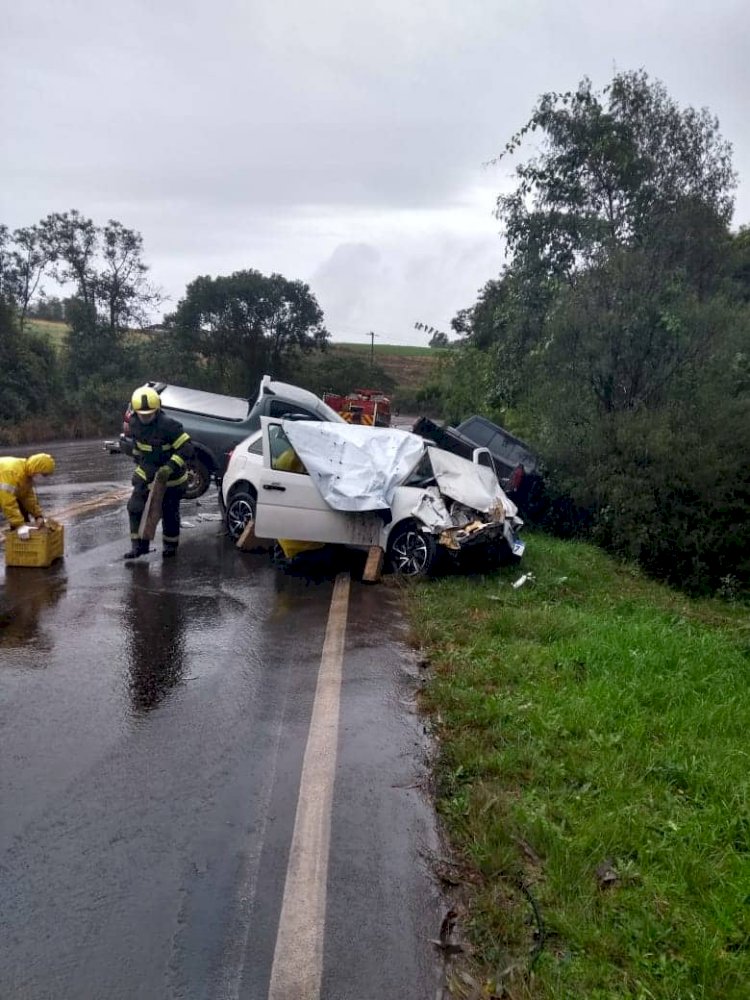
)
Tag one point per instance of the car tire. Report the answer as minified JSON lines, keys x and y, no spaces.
{"x":411,"y":551}
{"x":199,"y":479}
{"x":240,"y":510}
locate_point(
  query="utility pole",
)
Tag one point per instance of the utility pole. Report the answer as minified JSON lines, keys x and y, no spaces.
{"x":372,"y":337}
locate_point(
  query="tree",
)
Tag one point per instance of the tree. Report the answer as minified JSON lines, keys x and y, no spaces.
{"x":106,"y":268}
{"x":121,"y":286}
{"x":49,"y":308}
{"x":626,"y":208}
{"x":31,"y":255}
{"x":615,"y":338}
{"x":238,"y":327}
{"x":615,"y":168}
{"x":75,"y":242}
{"x":439,"y":339}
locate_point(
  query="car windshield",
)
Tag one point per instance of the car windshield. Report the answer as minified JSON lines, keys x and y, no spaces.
{"x":422,"y":475}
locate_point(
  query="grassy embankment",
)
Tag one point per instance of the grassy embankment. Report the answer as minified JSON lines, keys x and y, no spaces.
{"x":55,"y":332}
{"x":594,"y":753}
{"x":409,"y":367}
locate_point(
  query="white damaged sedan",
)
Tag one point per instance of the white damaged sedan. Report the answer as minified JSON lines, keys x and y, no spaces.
{"x":362,"y":486}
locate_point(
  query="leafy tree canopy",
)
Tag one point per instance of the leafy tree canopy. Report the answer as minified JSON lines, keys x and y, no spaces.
{"x":616,"y":337}
{"x":240,"y":326}
{"x":614,"y":169}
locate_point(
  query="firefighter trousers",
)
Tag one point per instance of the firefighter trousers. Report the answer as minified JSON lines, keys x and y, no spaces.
{"x":170,"y":511}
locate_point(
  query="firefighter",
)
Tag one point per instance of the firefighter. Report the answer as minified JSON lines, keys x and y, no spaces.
{"x":161,"y":450}
{"x":17,"y":498}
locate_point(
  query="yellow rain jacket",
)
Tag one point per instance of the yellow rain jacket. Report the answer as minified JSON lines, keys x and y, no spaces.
{"x":17,"y":495}
{"x":289,"y":461}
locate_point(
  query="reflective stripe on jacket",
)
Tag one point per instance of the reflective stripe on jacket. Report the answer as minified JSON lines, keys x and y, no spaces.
{"x":162,"y":442}
{"x":17,"y":492}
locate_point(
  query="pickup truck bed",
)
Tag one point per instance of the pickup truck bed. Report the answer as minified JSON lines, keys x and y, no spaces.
{"x":216,"y":423}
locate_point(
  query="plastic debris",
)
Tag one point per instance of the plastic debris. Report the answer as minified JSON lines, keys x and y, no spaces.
{"x":526,"y":578}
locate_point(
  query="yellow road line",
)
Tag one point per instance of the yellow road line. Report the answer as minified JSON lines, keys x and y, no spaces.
{"x":298,"y":958}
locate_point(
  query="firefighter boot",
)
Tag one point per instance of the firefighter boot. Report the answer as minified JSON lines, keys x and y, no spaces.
{"x":138,"y":548}
{"x":169,"y":550}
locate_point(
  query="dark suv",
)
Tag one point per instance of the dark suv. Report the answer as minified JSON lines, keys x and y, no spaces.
{"x":507,"y":450}
{"x":217,"y":423}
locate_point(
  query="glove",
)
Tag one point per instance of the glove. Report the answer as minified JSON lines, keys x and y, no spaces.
{"x":163,"y":474}
{"x":39,"y":522}
{"x":24,"y":532}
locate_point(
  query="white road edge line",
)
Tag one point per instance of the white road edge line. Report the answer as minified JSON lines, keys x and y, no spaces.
{"x":233,"y":958}
{"x":298,"y":957}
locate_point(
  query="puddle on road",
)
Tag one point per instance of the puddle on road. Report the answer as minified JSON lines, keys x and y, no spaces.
{"x":26,"y":598}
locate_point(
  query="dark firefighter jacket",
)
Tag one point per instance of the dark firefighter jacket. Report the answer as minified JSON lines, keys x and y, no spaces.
{"x":162,"y":442}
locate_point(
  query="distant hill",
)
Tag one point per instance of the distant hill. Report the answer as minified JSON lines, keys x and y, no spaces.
{"x":409,"y":366}
{"x":55,"y":331}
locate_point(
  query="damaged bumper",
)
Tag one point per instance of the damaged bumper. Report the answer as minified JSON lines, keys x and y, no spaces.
{"x":459,"y":527}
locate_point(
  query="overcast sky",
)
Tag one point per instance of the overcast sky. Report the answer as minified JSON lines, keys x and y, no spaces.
{"x":337,"y":142}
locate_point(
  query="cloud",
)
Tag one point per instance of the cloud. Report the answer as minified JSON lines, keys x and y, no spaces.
{"x":337,"y":142}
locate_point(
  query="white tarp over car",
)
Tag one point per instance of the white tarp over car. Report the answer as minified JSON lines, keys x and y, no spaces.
{"x":355,"y":467}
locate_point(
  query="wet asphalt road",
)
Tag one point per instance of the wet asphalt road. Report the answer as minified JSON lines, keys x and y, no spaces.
{"x":153,"y":725}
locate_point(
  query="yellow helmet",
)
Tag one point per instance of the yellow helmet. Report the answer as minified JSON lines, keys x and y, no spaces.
{"x":145,"y":400}
{"x":40,"y":465}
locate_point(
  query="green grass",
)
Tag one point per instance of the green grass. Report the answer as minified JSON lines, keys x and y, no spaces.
{"x":594,"y":717}
{"x":403,"y":350}
{"x":55,"y":332}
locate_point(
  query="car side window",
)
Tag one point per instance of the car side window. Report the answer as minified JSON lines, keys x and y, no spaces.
{"x":282,"y":409}
{"x":283,"y":457}
{"x":478,"y":432}
{"x":256,"y":447}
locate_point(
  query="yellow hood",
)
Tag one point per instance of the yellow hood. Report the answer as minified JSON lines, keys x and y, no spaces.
{"x":41,"y":464}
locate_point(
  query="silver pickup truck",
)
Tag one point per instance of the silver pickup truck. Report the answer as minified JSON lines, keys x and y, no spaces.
{"x":217,"y":423}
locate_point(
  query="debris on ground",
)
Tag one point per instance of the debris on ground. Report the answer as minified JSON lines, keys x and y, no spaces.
{"x":606,"y":875}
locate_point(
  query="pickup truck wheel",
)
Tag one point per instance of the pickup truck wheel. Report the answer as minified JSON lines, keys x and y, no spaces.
{"x":240,"y":510}
{"x":411,"y":551}
{"x":198,"y":481}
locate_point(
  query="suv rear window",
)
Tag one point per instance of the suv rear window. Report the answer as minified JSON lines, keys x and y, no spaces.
{"x":478,"y":432}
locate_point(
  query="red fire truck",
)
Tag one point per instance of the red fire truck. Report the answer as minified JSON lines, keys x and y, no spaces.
{"x":362,"y":406}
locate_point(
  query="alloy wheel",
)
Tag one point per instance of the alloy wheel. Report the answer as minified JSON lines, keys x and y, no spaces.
{"x":239,"y":512}
{"x":410,"y":553}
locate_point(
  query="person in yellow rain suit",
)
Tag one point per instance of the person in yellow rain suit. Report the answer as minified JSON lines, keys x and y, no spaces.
{"x":289,"y":461}
{"x":18,"y":501}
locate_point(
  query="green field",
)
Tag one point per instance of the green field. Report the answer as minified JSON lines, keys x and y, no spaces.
{"x":396,"y":350}
{"x":54,"y":331}
{"x":409,"y":367}
{"x":593,"y":776}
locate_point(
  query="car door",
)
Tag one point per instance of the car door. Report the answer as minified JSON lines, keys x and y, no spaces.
{"x":290,"y":506}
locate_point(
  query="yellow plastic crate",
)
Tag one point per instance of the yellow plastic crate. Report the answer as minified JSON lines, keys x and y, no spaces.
{"x":41,"y":548}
